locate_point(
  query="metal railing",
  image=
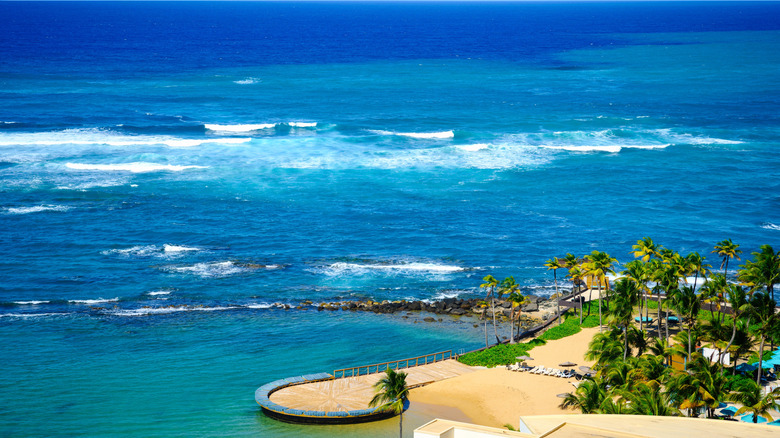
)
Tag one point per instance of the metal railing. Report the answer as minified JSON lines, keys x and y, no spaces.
{"x":396,"y":365}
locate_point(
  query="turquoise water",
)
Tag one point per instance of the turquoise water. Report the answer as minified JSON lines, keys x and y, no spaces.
{"x":172,"y":170}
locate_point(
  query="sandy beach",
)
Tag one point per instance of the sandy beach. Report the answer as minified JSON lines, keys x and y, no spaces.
{"x":497,"y":396}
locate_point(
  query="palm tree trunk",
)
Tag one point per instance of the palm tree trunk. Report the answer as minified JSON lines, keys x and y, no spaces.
{"x":495,"y":326}
{"x":760,"y":363}
{"x":599,"y":305}
{"x":625,"y":339}
{"x":512,"y":323}
{"x":484,"y":317}
{"x":401,"y":425}
{"x":557,"y":297}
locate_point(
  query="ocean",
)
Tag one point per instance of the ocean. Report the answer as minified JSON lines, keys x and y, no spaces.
{"x":171,"y":171}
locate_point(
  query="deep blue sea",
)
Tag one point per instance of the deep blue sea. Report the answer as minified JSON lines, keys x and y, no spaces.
{"x":169,"y":170}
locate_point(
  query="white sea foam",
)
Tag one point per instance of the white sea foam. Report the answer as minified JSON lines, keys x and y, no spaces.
{"x":177,"y":248}
{"x":31,"y":315}
{"x":31,"y":303}
{"x":427,"y":135}
{"x":165,"y":251}
{"x":418,"y":135}
{"x":214,"y":269}
{"x":146,"y":311}
{"x":240,"y":128}
{"x":771,"y":226}
{"x":343,"y":268}
{"x":247,"y":81}
{"x":611,"y":148}
{"x":303,"y":124}
{"x":473,"y":147}
{"x":94,"y":136}
{"x":259,"y":306}
{"x":35,"y":209}
{"x":137,"y":167}
{"x":96,"y":301}
{"x":159,"y":292}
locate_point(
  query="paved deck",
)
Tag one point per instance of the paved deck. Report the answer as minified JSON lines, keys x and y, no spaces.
{"x":353,"y":393}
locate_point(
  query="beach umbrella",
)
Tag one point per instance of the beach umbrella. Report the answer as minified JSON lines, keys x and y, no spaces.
{"x":567,"y":364}
{"x":774,"y":423}
{"x":563,"y":395}
{"x":746,"y":367}
{"x":525,"y":357}
{"x":749,"y":418}
{"x":586,"y":370}
{"x":729,"y":411}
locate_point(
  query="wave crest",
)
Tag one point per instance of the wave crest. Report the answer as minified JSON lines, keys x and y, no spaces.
{"x":137,"y":167}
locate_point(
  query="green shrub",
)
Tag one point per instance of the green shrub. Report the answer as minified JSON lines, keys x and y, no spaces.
{"x":502,"y":354}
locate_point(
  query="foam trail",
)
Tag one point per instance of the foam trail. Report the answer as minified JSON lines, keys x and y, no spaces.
{"x":95,"y":136}
{"x":240,"y":128}
{"x":341,"y":268}
{"x":247,"y":81}
{"x":158,"y":292}
{"x":428,"y":135}
{"x":473,"y":147}
{"x":771,"y":226}
{"x":97,"y":301}
{"x":35,"y":209}
{"x":611,"y":149}
{"x":137,"y":167}
{"x":303,"y":124}
{"x":31,"y":303}
{"x":146,"y":311}
{"x":176,"y":248}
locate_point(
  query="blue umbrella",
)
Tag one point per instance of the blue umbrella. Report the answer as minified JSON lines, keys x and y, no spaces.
{"x":749,"y":419}
{"x":746,"y":367}
{"x":774,"y":423}
{"x":729,"y":411}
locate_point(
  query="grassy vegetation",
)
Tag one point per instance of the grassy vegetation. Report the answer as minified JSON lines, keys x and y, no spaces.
{"x":505,"y":354}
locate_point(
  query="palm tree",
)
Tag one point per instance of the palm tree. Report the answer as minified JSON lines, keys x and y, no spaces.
{"x":764,"y":271}
{"x":645,"y":249}
{"x":625,"y":297}
{"x":649,"y":399}
{"x":576,"y":275}
{"x":687,"y":304}
{"x":555,"y":264}
{"x":728,"y":250}
{"x":489,"y":285}
{"x":763,"y":308}
{"x":588,"y":396}
{"x":598,"y":265}
{"x":517,"y":300}
{"x":749,"y":394}
{"x":605,"y":347}
{"x":696,"y":264}
{"x":636,"y":271}
{"x":509,"y":286}
{"x":392,"y":394}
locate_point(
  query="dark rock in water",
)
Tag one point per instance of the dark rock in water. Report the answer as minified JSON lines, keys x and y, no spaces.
{"x":458,"y":312}
{"x":429,"y":319}
{"x":466,"y":306}
{"x":532,"y":299}
{"x":414,"y":305}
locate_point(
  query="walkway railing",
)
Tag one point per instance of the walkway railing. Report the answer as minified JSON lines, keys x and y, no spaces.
{"x":396,"y":365}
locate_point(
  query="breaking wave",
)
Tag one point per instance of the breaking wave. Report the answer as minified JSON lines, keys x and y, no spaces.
{"x":138,"y":167}
{"x":219,"y":269}
{"x":96,"y":136}
{"x":35,"y":209}
{"x":771,"y":226}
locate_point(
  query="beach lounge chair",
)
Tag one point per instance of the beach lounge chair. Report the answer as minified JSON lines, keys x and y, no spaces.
{"x":534,"y":369}
{"x":539,"y":370}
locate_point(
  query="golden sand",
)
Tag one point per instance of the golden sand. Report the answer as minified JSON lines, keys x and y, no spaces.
{"x":497,"y":396}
